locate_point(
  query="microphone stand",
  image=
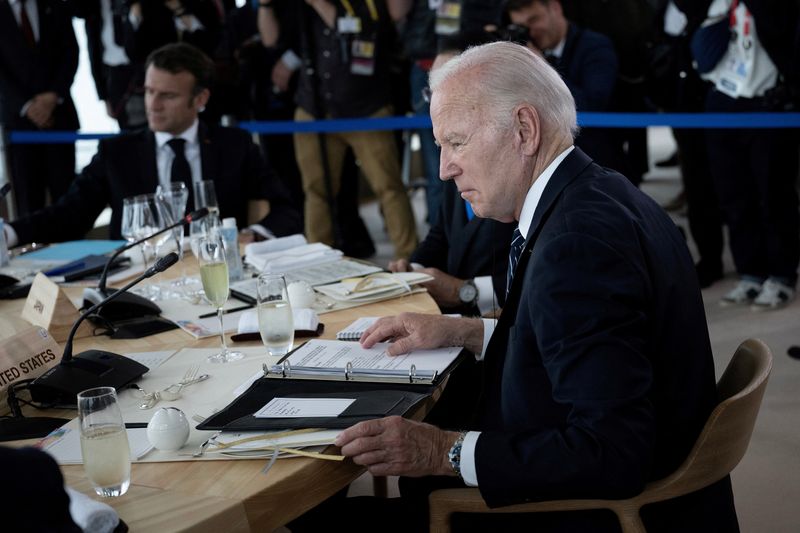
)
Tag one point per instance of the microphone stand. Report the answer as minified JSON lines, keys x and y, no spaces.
{"x":131,"y":305}
{"x":92,"y":368}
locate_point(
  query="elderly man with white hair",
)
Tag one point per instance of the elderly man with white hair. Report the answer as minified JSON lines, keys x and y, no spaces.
{"x":599,"y":373}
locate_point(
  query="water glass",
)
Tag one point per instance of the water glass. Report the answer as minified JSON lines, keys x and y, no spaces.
{"x":214,"y":275}
{"x":205,"y":195}
{"x":275,"y":321}
{"x":104,"y":441}
{"x":175,"y":197}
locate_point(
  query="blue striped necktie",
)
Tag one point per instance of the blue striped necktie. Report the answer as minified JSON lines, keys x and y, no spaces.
{"x":517,"y":244}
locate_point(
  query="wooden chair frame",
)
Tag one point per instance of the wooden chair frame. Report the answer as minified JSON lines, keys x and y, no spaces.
{"x":718,"y":449}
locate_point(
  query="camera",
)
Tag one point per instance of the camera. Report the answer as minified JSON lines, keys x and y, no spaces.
{"x":514,"y":33}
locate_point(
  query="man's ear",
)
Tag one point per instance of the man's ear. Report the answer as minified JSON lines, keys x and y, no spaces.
{"x":201,"y":98}
{"x":528,"y":130}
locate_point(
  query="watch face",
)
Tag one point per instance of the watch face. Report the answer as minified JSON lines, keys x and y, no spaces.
{"x":468,"y":293}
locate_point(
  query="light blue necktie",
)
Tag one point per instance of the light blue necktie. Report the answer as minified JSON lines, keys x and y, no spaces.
{"x":517,"y":244}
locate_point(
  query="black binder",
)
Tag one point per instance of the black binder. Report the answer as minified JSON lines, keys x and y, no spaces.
{"x":373,"y":400}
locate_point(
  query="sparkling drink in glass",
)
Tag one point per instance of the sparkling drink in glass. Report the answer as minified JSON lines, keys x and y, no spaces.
{"x":214,"y":275}
{"x":275,"y":320}
{"x":104,"y":441}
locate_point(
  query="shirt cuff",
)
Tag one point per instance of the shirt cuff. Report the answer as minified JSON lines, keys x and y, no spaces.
{"x":486,"y":299}
{"x":488,"y":329}
{"x":193,"y":24}
{"x":24,"y":110}
{"x":291,"y":60}
{"x":468,"y":472}
{"x":261,"y":230}
{"x":12,"y":239}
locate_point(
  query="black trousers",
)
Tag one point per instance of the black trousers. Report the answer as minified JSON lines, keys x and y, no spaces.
{"x":754,"y":173}
{"x":705,"y":219}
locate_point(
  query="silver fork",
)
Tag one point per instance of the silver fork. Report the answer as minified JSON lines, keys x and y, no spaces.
{"x":190,"y":374}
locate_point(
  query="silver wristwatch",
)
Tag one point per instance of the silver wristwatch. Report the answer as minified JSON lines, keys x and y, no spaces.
{"x":468,"y":293}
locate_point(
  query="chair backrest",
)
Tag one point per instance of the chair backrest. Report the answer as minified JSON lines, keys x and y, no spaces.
{"x":726,"y":434}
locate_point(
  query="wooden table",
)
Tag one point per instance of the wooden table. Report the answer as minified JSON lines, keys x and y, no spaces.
{"x":215,"y":496}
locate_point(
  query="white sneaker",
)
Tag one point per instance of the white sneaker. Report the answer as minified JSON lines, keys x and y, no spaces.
{"x":773,"y":295}
{"x":745,"y":292}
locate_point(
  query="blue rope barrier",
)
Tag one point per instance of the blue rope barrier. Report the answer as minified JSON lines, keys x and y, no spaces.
{"x":604,"y":120}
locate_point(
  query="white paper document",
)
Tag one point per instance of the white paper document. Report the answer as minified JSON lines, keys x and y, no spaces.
{"x":324,"y":356}
{"x":304,"y":407}
{"x":64,"y":444}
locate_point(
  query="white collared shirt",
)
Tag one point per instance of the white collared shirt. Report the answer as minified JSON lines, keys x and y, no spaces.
{"x":468,"y":471}
{"x":113,"y":54}
{"x":165,"y":155}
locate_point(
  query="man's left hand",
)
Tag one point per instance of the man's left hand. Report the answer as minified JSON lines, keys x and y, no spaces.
{"x":394,"y":446}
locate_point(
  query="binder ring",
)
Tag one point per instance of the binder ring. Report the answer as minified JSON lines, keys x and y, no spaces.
{"x":412,"y":373}
{"x":286,"y":369}
{"x":348,"y":370}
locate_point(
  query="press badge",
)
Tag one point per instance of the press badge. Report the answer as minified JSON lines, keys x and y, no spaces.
{"x":362,"y":60}
{"x":348,"y":24}
{"x":448,"y":18}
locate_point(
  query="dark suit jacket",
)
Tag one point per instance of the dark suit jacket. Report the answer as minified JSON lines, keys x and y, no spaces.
{"x":126,"y":166}
{"x":589,"y":67}
{"x":33,"y":493}
{"x":26,"y":71}
{"x":466,"y":248}
{"x":599,"y":375}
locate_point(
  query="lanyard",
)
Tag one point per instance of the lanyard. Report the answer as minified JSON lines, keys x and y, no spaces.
{"x":373,"y":11}
{"x":745,"y":24}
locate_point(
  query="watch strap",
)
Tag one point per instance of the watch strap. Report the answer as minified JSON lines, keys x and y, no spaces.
{"x":454,"y":455}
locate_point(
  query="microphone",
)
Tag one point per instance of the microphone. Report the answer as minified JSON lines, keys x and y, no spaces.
{"x":131,"y":305}
{"x":93,"y":368}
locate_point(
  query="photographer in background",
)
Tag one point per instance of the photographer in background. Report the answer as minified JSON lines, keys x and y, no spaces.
{"x":587,"y":63}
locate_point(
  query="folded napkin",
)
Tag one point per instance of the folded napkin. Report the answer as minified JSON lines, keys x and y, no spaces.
{"x":298,"y":257}
{"x":275,"y":245}
{"x":304,"y":320}
{"x":90,"y":515}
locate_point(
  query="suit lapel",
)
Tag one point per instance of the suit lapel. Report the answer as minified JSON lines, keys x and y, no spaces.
{"x":567,"y":171}
{"x":209,"y":158}
{"x":147,"y":160}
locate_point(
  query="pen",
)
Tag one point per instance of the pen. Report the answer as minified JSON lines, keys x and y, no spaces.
{"x":226,"y":311}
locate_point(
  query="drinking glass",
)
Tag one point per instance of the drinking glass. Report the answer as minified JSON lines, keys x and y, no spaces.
{"x":175,"y":197}
{"x":126,"y":225}
{"x":206,"y":196}
{"x":104,"y":441}
{"x":275,"y":321}
{"x":214,"y":275}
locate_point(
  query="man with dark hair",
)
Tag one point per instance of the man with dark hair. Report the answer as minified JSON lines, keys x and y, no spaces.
{"x":587,"y":63}
{"x":177,"y":83}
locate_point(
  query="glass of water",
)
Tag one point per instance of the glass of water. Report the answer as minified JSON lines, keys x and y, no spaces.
{"x":205,"y":195}
{"x":275,"y":321}
{"x":104,"y":441}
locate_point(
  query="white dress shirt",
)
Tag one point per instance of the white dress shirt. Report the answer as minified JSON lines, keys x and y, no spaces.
{"x":165,"y":155}
{"x":32,"y":9}
{"x":468,"y":471}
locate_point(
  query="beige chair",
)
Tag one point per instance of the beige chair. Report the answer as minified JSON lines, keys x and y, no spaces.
{"x":718,"y":449}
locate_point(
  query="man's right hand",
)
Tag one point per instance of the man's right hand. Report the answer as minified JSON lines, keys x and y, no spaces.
{"x":400,"y":265}
{"x":281,"y":75}
{"x":415,"y":331}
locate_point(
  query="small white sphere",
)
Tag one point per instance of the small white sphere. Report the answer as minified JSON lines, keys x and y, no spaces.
{"x":168,"y":430}
{"x":301,"y":294}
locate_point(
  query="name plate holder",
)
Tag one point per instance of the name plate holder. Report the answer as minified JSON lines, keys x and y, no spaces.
{"x":26,"y":355}
{"x":49,"y":307}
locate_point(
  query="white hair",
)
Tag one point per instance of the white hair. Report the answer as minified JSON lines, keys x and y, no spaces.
{"x":510,"y":75}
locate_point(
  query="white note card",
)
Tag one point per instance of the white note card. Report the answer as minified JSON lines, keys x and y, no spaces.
{"x":304,"y":407}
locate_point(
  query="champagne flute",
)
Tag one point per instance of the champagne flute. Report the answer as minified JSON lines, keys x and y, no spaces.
{"x":275,"y":320}
{"x":214,"y":275}
{"x":104,"y":441}
{"x":205,"y":195}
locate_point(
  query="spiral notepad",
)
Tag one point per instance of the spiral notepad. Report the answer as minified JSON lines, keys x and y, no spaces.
{"x":354,"y":331}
